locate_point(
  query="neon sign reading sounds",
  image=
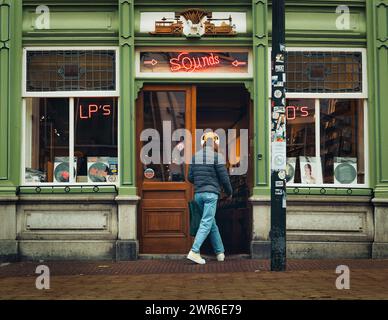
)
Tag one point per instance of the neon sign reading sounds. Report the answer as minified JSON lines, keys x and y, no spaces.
{"x":190,"y":64}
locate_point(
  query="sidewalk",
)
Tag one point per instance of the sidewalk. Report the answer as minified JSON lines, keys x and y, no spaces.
{"x":180,"y":279}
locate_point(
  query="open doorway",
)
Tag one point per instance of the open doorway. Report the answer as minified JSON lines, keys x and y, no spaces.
{"x":229,"y":107}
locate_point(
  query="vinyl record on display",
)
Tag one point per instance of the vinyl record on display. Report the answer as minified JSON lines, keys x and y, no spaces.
{"x":98,"y":172}
{"x":345,"y":173}
{"x":61,"y":172}
{"x":290,"y":172}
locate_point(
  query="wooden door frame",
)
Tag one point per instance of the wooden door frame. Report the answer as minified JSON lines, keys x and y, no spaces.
{"x":190,"y":121}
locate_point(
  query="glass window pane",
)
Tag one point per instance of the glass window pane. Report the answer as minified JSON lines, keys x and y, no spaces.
{"x":166,"y":107}
{"x":95,"y":139}
{"x":314,"y":71}
{"x":300,"y":136}
{"x":47,"y":140}
{"x":342,"y":141}
{"x":71,"y":70}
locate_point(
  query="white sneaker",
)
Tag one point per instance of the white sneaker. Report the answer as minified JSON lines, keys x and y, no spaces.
{"x":220,"y":257}
{"x":195,"y":257}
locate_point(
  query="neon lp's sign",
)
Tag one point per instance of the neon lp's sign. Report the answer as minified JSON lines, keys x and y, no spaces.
{"x":293,"y":112}
{"x":87,"y":111}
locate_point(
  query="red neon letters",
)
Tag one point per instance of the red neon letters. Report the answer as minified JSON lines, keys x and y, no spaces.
{"x":185,"y":62}
{"x":291,"y":112}
{"x":93,"y":108}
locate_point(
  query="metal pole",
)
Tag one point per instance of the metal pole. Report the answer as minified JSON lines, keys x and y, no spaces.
{"x":278,"y":139}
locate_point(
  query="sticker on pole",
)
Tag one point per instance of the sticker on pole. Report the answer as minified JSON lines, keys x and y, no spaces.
{"x":278,"y":155}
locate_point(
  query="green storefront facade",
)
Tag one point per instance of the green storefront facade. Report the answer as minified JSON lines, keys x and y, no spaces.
{"x":337,"y":81}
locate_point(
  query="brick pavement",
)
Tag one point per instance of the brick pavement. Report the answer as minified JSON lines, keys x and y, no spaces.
{"x":180,"y":280}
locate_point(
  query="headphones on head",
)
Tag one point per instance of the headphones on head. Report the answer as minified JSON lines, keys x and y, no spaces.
{"x":210,"y":135}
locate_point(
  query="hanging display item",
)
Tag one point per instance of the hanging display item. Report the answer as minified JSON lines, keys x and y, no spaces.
{"x":345,"y":170}
{"x":194,"y":23}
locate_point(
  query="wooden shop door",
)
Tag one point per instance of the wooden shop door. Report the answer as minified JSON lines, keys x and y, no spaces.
{"x":163,"y":217}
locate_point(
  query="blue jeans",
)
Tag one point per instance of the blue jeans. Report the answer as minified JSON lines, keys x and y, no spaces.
{"x":207,"y":201}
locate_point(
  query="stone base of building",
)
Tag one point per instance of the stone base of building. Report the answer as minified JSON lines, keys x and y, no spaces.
{"x":329,"y":250}
{"x":315,"y":250}
{"x":380,"y":250}
{"x":35,"y":250}
{"x":127,"y":250}
{"x":54,"y":227}
{"x":66,"y":250}
{"x":260,"y":249}
{"x":8,"y":251}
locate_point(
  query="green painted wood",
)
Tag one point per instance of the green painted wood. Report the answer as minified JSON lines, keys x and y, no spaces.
{"x":330,"y":191}
{"x":314,"y":22}
{"x":10,"y":95}
{"x":127,"y":98}
{"x":378,"y":51}
{"x":112,"y":22}
{"x":15,"y":106}
{"x":261,"y":99}
{"x":371,"y":109}
{"x":196,"y":4}
{"x":5,"y":21}
{"x":84,"y":23}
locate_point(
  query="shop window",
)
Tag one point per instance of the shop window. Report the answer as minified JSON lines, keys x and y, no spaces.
{"x":47,"y":140}
{"x":326,"y":99}
{"x":342,"y":141}
{"x":325,"y":142}
{"x":301,"y":138}
{"x":70,"y":70}
{"x":51,"y":155}
{"x":95,"y":139}
{"x":70,"y":132}
{"x":324,"y":72}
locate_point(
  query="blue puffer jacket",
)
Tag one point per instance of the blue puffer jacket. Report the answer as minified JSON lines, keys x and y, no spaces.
{"x":208,"y":172}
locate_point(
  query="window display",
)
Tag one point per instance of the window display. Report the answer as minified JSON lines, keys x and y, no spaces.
{"x":95,"y":138}
{"x":325,"y":117}
{"x":300,"y":135}
{"x":46,"y":139}
{"x":342,"y":140}
{"x":48,"y":144}
{"x":334,"y":154}
{"x":71,"y":116}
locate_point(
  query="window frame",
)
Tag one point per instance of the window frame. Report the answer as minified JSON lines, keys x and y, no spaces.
{"x":321,"y":96}
{"x":75,"y":94}
{"x":70,"y":96}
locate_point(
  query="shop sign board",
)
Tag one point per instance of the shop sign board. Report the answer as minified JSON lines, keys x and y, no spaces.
{"x":191,"y":63}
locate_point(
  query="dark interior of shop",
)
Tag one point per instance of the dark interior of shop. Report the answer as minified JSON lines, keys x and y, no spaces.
{"x":227,"y":107}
